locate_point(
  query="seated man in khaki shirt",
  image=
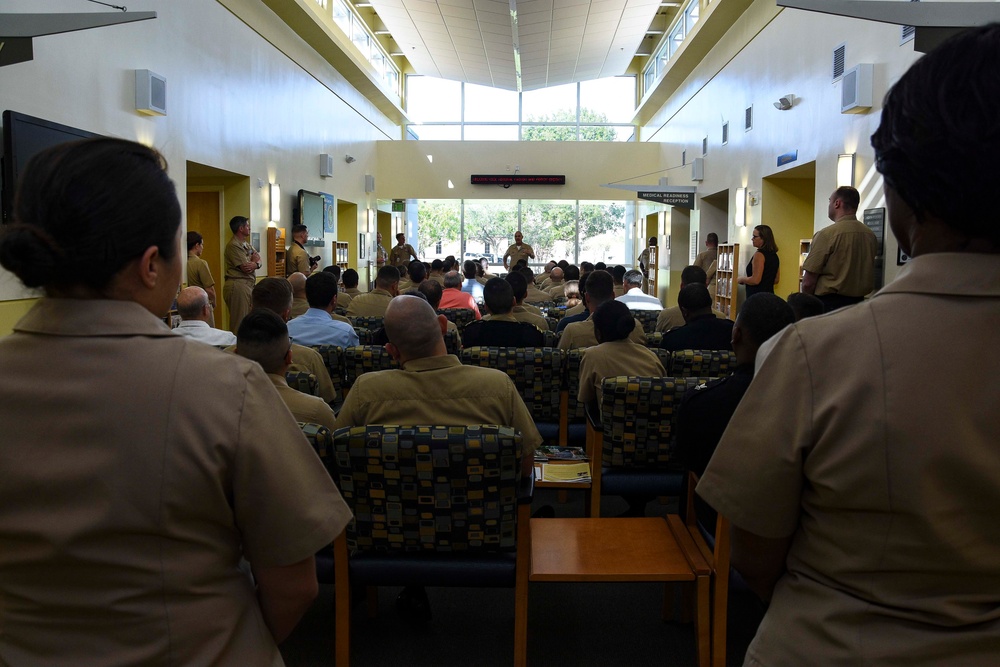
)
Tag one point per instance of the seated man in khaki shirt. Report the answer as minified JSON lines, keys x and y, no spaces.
{"x":263,"y":337}
{"x":374,"y":303}
{"x":299,"y":303}
{"x":600,"y":288}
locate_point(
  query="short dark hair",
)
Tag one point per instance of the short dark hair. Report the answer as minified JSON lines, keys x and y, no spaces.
{"x":850,"y":196}
{"x":498,"y":296}
{"x":320,"y":289}
{"x":432,"y":291}
{"x":613,"y":321}
{"x":263,"y":337}
{"x":583,"y":282}
{"x":334,"y":269}
{"x":350,"y":278}
{"x":237,"y":221}
{"x":418,"y":272}
{"x":386,"y":276}
{"x":299,"y":228}
{"x":518,"y":285}
{"x":275,"y":294}
{"x":763,"y":315}
{"x":712,"y":238}
{"x":572,"y":272}
{"x":805,"y":305}
{"x":84,"y":209}
{"x":470,"y":269}
{"x":599,"y":286}
{"x":921,"y":122}
{"x":694,"y":296}
{"x":585,"y":267}
{"x":193,"y":239}
{"x":600,"y":266}
{"x":618,"y":272}
{"x":693,"y":274}
{"x":437,"y":265}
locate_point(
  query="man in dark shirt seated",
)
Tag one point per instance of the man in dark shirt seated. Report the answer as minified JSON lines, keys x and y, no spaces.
{"x":703,"y":330}
{"x":501,"y":329}
{"x":705,"y":410}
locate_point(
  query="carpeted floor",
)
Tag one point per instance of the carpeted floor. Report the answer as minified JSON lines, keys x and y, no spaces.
{"x":571,"y":624}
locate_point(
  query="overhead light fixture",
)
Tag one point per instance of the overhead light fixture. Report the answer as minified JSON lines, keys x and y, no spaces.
{"x":785,"y":103}
{"x":740,"y":219}
{"x":845,"y":169}
{"x":275,"y":202}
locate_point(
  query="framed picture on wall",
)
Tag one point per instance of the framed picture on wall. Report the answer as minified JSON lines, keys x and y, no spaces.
{"x":362,"y":249}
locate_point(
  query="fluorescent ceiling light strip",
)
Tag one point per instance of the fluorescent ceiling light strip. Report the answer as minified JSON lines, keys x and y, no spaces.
{"x":516,"y":42}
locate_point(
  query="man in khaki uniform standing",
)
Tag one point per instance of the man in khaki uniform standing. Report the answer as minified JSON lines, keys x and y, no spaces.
{"x":840,"y":268}
{"x":242,"y":262}
{"x":198,"y":273}
{"x":707,"y":260}
{"x":402,"y":251}
{"x":298,"y":260}
{"x":517,"y":252}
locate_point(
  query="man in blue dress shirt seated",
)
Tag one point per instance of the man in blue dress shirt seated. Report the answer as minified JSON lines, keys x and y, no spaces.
{"x":316,"y":326}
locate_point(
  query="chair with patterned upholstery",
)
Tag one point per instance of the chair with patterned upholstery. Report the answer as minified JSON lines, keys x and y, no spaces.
{"x":460,"y":316}
{"x":647,"y":318}
{"x":537,"y":374}
{"x":371,"y":323}
{"x":364,"y":335}
{"x":556,"y":312}
{"x":333,"y":357}
{"x":707,"y":363}
{"x":432,"y":506}
{"x":360,"y":359}
{"x":544,"y":306}
{"x":552,"y":322}
{"x":340,"y":311}
{"x":654,"y":339}
{"x":629,"y":443}
{"x":666,"y":358}
{"x":551,"y":338}
{"x":321,"y":439}
{"x":303,"y":381}
{"x":573,"y":417}
{"x":453,"y":342}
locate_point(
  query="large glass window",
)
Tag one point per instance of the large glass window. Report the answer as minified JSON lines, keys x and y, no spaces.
{"x":599,"y":110}
{"x":556,"y":229}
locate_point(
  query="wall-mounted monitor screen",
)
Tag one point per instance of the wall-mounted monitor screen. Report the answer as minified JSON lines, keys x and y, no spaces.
{"x":310,"y":213}
{"x":23,"y":137}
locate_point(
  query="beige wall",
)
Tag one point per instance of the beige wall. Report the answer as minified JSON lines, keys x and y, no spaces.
{"x":259,"y":104}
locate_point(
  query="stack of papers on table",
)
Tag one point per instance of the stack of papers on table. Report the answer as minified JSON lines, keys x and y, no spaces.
{"x":563,"y":472}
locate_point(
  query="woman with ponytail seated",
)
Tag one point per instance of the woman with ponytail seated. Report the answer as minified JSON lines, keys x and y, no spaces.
{"x":615,"y":354}
{"x":143,"y":476}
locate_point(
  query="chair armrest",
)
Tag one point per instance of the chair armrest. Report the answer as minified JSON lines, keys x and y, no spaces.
{"x":593,"y":416}
{"x":526,"y":488}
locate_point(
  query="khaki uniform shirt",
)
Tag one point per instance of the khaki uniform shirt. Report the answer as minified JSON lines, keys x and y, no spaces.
{"x":671,"y":318}
{"x":706,"y":260}
{"x":575,"y":310}
{"x":307,"y":360}
{"x":531,"y":309}
{"x":305,"y":408}
{"x":299,"y":306}
{"x":542,"y":277}
{"x":405,"y":285}
{"x":401,"y":254}
{"x":297,"y":260}
{"x":536,"y":295}
{"x":556,"y":289}
{"x":516,"y":253}
{"x":620,"y":357}
{"x":581,"y":334}
{"x":344,"y":300}
{"x":522,"y":314}
{"x":353,"y":291}
{"x":163,"y":462}
{"x":843,"y":256}
{"x":198,"y":273}
{"x":619,"y":290}
{"x":238,"y":253}
{"x":884,"y":472}
{"x":439,"y":391}
{"x":372,"y":304}
{"x":381,"y":256}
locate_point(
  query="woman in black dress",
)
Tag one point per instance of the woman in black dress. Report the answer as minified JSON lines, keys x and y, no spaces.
{"x":762,"y":270}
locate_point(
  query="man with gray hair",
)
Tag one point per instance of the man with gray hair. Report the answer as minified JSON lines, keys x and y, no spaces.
{"x":634,"y":297}
{"x":454,"y":297}
{"x":196,"y":318}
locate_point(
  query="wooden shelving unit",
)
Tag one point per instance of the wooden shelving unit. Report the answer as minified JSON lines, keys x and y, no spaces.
{"x":728,"y":270}
{"x":275,"y":252}
{"x":343,"y":255}
{"x":804,"y":245}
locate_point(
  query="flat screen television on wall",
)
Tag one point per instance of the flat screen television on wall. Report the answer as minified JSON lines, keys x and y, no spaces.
{"x":310,"y":213}
{"x":23,"y":137}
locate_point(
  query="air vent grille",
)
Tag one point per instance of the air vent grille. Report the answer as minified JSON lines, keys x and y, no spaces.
{"x":839,"y":58}
{"x":725,"y":133}
{"x":748,"y":119}
{"x":704,"y":146}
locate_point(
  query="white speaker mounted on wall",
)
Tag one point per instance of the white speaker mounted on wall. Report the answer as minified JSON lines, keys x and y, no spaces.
{"x":698,"y":169}
{"x":856,"y":94}
{"x":369,"y":183}
{"x":150,"y":93}
{"x":325,"y":165}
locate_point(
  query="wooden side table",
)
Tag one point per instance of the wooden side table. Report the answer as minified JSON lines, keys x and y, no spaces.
{"x":623,"y":549}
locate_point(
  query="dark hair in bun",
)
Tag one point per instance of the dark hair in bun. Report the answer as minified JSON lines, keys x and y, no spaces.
{"x":84,"y":209}
{"x":613,"y":321}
